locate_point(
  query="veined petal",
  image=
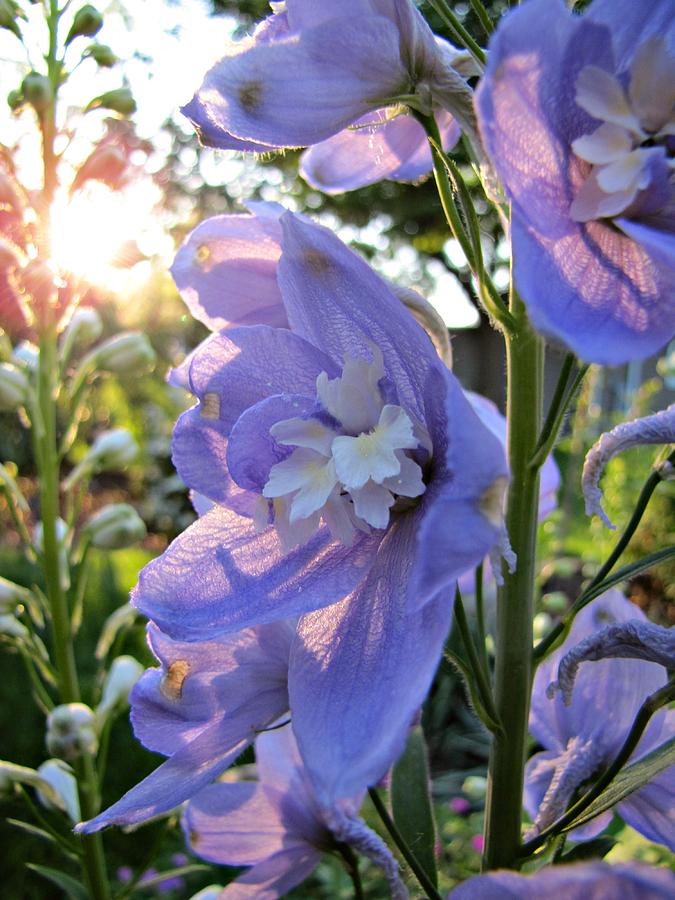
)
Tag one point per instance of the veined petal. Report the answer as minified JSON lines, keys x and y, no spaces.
{"x":220,"y":575}
{"x":361,"y":668}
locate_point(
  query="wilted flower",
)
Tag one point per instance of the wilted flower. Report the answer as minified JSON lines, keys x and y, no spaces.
{"x":276,"y":826}
{"x":576,"y":114}
{"x":353,"y":483}
{"x":582,"y":739}
{"x":599,"y":880}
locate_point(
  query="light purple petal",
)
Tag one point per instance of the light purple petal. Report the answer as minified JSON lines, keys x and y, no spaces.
{"x":651,"y":810}
{"x":220,"y":576}
{"x":632,"y":23}
{"x":596,"y":880}
{"x":226,"y":272}
{"x":211,"y":135}
{"x":301,"y":89}
{"x":657,"y":241}
{"x":395,"y":148}
{"x":274,"y":877}
{"x":361,"y":668}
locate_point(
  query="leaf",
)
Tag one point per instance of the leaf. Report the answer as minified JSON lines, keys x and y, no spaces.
{"x":171,"y":873}
{"x":595,"y":849}
{"x":631,"y":779}
{"x":29,"y":828}
{"x":73,"y":888}
{"x":411,"y":802}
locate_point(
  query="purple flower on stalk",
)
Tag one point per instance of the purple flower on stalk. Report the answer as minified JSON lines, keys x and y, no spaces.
{"x":587,"y":881}
{"x":315,"y":67}
{"x":352,"y":485}
{"x":275,"y":825}
{"x":583,"y":738}
{"x":576,"y":115}
{"x":201,"y":708}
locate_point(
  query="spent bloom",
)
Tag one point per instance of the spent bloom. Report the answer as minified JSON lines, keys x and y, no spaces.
{"x":313,"y":69}
{"x":275,"y":825}
{"x":577,"y":117}
{"x":352,"y":483}
{"x":583,"y":738}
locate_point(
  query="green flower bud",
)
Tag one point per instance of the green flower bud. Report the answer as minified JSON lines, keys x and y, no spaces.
{"x":9,"y":12}
{"x":127,"y":352}
{"x":37,"y":91}
{"x":15,"y":100}
{"x":475,"y":787}
{"x":84,"y":328}
{"x":120,"y":101}
{"x":87,"y":22}
{"x":71,"y":731}
{"x":102,"y":55}
{"x":115,"y":526}
{"x":14,"y":388}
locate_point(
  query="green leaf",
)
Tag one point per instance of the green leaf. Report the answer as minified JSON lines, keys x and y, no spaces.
{"x":74,"y":889}
{"x":192,"y":869}
{"x":411,"y":802}
{"x":596,"y":849}
{"x":631,"y":779}
{"x":34,"y":830}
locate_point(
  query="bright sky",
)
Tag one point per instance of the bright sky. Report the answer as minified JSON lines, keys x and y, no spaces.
{"x":183,"y":41}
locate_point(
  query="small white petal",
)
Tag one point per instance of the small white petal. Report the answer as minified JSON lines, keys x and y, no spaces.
{"x":652,"y":84}
{"x":309,"y":433}
{"x":593,"y":203}
{"x":354,"y":399}
{"x":408,"y":482}
{"x":602,"y":96}
{"x":372,"y":503}
{"x":293,"y":473}
{"x":314,"y":493}
{"x":606,"y":144}
{"x":626,"y":174}
{"x":337,"y":514}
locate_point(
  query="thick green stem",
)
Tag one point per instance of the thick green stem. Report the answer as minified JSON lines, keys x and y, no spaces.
{"x":513,"y":669}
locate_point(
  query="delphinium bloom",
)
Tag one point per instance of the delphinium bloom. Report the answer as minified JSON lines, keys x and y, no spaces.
{"x":588,"y":881}
{"x":577,"y":118}
{"x":582,"y":739}
{"x":314,"y":68}
{"x":202,"y":707}
{"x":275,"y":825}
{"x":352,"y":484}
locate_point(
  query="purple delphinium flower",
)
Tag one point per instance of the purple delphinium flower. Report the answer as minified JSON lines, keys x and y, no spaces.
{"x":201,"y":708}
{"x":586,"y":881}
{"x":576,"y":115}
{"x":352,"y":485}
{"x":656,"y":429}
{"x":582,"y":739}
{"x":315,"y":67}
{"x":276,"y":826}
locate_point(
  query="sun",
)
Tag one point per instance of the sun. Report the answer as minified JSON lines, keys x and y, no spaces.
{"x":98,"y":233}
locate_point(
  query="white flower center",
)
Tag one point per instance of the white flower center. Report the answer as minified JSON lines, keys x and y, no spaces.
{"x":349,"y":473}
{"x":636,"y":124}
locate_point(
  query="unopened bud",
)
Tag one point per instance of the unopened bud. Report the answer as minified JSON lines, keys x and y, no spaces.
{"x":120,"y":100}
{"x":15,"y":100}
{"x":116,"y":526}
{"x":59,"y":776}
{"x":111,"y":450}
{"x":107,"y":164}
{"x":9,"y":12}
{"x":71,"y":731}
{"x":87,"y":22}
{"x":26,"y":356}
{"x":14,"y":388}
{"x":123,"y":675}
{"x":37,"y":91}
{"x":37,"y":280}
{"x":475,"y":787}
{"x":102,"y":55}
{"x":11,"y":595}
{"x":11,"y":627}
{"x":127,"y":352}
{"x":61,"y":541}
{"x":84,"y":328}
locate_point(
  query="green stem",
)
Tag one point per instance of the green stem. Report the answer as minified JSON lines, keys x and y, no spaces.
{"x":404,"y":849}
{"x":513,"y":668}
{"x":483,"y":15}
{"x":457,"y":31}
{"x":479,"y":676}
{"x":563,"y":396}
{"x":650,"y":485}
{"x":651,"y":705}
{"x":480,"y":620}
{"x":352,"y":865}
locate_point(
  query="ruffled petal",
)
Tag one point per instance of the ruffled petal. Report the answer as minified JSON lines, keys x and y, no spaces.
{"x":220,"y":575}
{"x":359,"y":671}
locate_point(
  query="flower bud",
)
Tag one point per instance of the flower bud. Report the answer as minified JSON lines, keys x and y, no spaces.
{"x":120,"y":100}
{"x":14,"y":388}
{"x":84,"y":328}
{"x":11,"y":595}
{"x":37,"y":91}
{"x":111,"y":450}
{"x":15,"y":100}
{"x":26,"y":356}
{"x":116,"y":526}
{"x":9,"y":12}
{"x":38,"y":281}
{"x":102,"y":55}
{"x":123,"y":675}
{"x":59,"y":776}
{"x":11,"y":627}
{"x":88,"y":21}
{"x":62,"y":541}
{"x":107,"y":164}
{"x":128,"y":352}
{"x":475,"y":787}
{"x":71,"y":731}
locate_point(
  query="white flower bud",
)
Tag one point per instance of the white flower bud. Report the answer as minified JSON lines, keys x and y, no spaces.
{"x":11,"y":595}
{"x":14,"y":388}
{"x":84,"y":328}
{"x":11,"y":774}
{"x":26,"y":356}
{"x":115,"y":526}
{"x":123,"y":675}
{"x":59,"y":775}
{"x":11,"y":627}
{"x":71,"y":731}
{"x":127,"y":352}
{"x":111,"y":450}
{"x":62,"y":541}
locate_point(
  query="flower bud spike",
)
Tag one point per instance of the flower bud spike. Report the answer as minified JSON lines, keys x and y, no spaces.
{"x":88,"y":21}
